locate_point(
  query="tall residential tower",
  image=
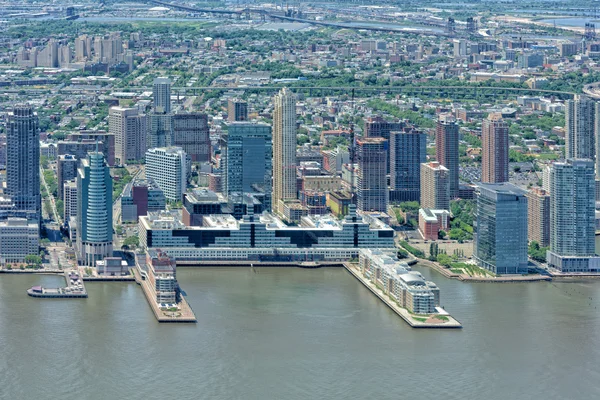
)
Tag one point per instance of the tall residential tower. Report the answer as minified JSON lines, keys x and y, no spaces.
{"x":446,"y":149}
{"x":284,"y":149}
{"x":494,"y":143}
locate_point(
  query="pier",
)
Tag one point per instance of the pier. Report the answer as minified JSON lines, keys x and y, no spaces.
{"x":184,"y":313}
{"x":74,"y":288}
{"x":447,"y":322}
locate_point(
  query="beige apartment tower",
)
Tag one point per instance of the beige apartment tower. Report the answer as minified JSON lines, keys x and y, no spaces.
{"x":435,"y":186}
{"x":129,"y":128}
{"x":284,"y":149}
{"x":538,"y":216}
{"x":494,"y":154}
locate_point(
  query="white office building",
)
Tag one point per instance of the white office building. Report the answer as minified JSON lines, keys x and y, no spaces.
{"x":168,"y":167}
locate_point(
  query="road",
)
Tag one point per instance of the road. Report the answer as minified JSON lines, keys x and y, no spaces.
{"x":51,"y":197}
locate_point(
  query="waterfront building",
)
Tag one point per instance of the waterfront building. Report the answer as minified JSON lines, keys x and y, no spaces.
{"x":431,"y":222}
{"x":264,"y":237}
{"x":494,"y":143}
{"x":237,"y":110}
{"x":19,"y":238}
{"x":23,"y":159}
{"x":579,"y":128}
{"x":398,"y":281}
{"x":501,"y":229}
{"x":70,"y":200}
{"x":66,"y":170}
{"x":112,"y":266}
{"x":94,"y":210}
{"x":408,"y":150}
{"x":168,"y":167}
{"x":538,"y":216}
{"x":247,"y":160}
{"x":572,"y":217}
{"x":130,"y":131}
{"x":446,"y":149}
{"x":161,"y":93}
{"x":161,"y":271}
{"x":139,"y":197}
{"x":435,"y":186}
{"x":371,"y":154}
{"x":191,"y":133}
{"x":284,"y":150}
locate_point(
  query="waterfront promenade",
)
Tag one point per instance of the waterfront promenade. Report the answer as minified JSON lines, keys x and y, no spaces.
{"x":431,"y":321}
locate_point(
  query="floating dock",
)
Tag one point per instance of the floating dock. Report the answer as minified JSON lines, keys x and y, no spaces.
{"x":74,"y":288}
{"x":431,"y":323}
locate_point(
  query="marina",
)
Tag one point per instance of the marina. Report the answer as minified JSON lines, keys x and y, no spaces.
{"x":74,"y":288}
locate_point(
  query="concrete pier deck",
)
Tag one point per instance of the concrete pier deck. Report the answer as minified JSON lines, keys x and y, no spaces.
{"x":431,"y":323}
{"x":183,"y":315}
{"x":74,"y":289}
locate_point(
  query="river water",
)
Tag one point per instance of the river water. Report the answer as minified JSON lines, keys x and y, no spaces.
{"x":299,"y":334}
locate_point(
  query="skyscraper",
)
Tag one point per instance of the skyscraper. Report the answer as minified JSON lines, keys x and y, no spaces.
{"x":248,"y":159}
{"x":94,"y":210}
{"x":237,"y":110}
{"x":379,"y":127}
{"x":161,"y":91}
{"x":168,"y":167}
{"x":372,"y":182}
{"x":435,"y":186}
{"x":501,"y":229}
{"x":446,"y":149}
{"x":408,"y":150}
{"x":284,"y":149}
{"x":494,"y":142}
{"x":538,"y":216}
{"x":130,"y":133}
{"x":579,"y":127}
{"x":23,"y":159}
{"x":191,"y":133}
{"x":572,"y":219}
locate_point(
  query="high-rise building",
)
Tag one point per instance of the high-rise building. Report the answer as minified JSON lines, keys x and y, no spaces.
{"x":161,"y":92}
{"x":141,"y":196}
{"x":572,"y":216}
{"x":247,"y":159}
{"x":435,"y":186}
{"x":130,"y":133}
{"x":371,"y":154}
{"x":70,"y":200}
{"x":191,"y":133}
{"x":446,"y":149}
{"x":19,"y":238}
{"x":579,"y":128}
{"x":237,"y":110}
{"x":168,"y":167}
{"x":160,"y":133}
{"x":284,"y":149}
{"x":501,"y":229}
{"x":23,"y":159}
{"x":494,"y":142}
{"x":597,"y":140}
{"x":538,"y":216}
{"x":379,"y":127}
{"x":94,"y":210}
{"x":66,"y":170}
{"x":408,"y":150}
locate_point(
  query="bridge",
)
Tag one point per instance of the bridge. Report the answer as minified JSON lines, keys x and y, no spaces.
{"x":264,"y":13}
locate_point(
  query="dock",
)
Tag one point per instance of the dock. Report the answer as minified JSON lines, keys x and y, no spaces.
{"x":74,"y":289}
{"x":183,"y":315}
{"x":431,"y":323}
